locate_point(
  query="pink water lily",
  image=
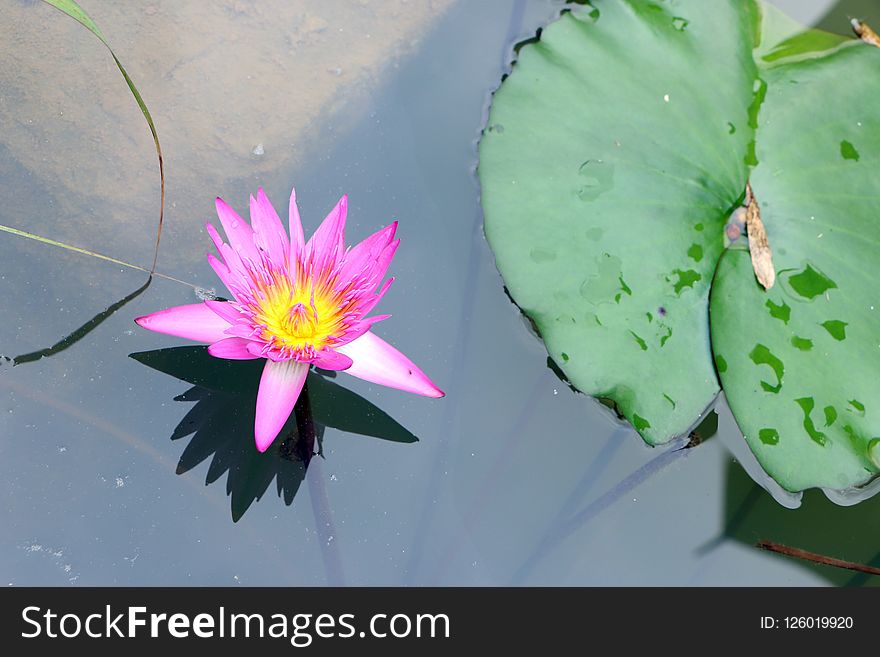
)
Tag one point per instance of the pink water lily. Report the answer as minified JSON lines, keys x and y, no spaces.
{"x":296,"y":304}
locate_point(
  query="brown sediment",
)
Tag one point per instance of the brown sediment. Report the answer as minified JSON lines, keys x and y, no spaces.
{"x":220,"y":79}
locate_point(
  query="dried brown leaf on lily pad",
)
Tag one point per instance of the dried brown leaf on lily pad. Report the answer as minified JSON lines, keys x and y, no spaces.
{"x":865,"y":33}
{"x":759,"y":247}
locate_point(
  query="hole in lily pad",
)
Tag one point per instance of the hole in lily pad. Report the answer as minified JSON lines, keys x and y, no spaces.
{"x":781,"y":312}
{"x":836,"y":329}
{"x":811,"y":283}
{"x":848,"y":151}
{"x":640,"y":423}
{"x":768,"y":436}
{"x":804,"y":344}
{"x":761,"y":355}
{"x":807,"y":404}
{"x":830,"y":415}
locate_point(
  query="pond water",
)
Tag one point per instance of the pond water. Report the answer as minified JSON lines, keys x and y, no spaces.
{"x":116,"y":473}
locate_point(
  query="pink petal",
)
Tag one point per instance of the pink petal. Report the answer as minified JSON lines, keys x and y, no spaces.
{"x":268,"y":232}
{"x":362,"y":257}
{"x":230,"y":258}
{"x":375,"y":360}
{"x":232,"y":349}
{"x":194,"y":321}
{"x":258,"y":349}
{"x":223,"y":273}
{"x":370,"y":302}
{"x":297,"y":240}
{"x":238,"y":232}
{"x":243,"y":330}
{"x":225,"y":309}
{"x":280,"y":386}
{"x":362,"y":327}
{"x":327,"y":244}
{"x":383,"y":261}
{"x":332,"y":360}
{"x":215,"y":237}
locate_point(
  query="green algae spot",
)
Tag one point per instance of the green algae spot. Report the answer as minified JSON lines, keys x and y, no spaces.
{"x":807,"y":404}
{"x":761,"y":355}
{"x":720,"y":363}
{"x":698,"y":227}
{"x":731,"y":129}
{"x":768,"y":436}
{"x":830,"y":415}
{"x":640,"y":423}
{"x":640,"y":340}
{"x":685,"y":279}
{"x":859,"y":406}
{"x":836,"y":329}
{"x":665,"y":336}
{"x":848,"y":151}
{"x":804,"y":344}
{"x":564,"y":357}
{"x":650,"y":317}
{"x":811,"y":283}
{"x":670,"y":400}
{"x":624,"y":287}
{"x":695,"y":252}
{"x":781,"y":312}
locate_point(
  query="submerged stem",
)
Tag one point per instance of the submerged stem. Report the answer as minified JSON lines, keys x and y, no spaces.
{"x":324,"y":524}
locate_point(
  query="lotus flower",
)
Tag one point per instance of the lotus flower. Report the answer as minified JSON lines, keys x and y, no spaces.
{"x":296,"y":304}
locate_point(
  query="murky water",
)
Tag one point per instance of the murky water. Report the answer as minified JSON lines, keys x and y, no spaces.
{"x":514,"y":478}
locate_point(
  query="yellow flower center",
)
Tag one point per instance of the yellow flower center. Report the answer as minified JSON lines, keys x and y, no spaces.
{"x":300,"y":317}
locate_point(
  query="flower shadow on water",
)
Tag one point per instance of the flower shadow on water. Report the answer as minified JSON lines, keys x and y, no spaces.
{"x":221,"y":424}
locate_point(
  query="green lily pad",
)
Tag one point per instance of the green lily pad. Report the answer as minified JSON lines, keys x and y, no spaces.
{"x":615,"y":153}
{"x":817,"y":181}
{"x":606,"y":188}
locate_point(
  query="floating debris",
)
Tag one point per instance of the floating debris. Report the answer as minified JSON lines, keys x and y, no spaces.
{"x":206,"y":294}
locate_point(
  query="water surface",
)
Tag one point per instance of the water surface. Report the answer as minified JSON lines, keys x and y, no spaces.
{"x":514,"y":479}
